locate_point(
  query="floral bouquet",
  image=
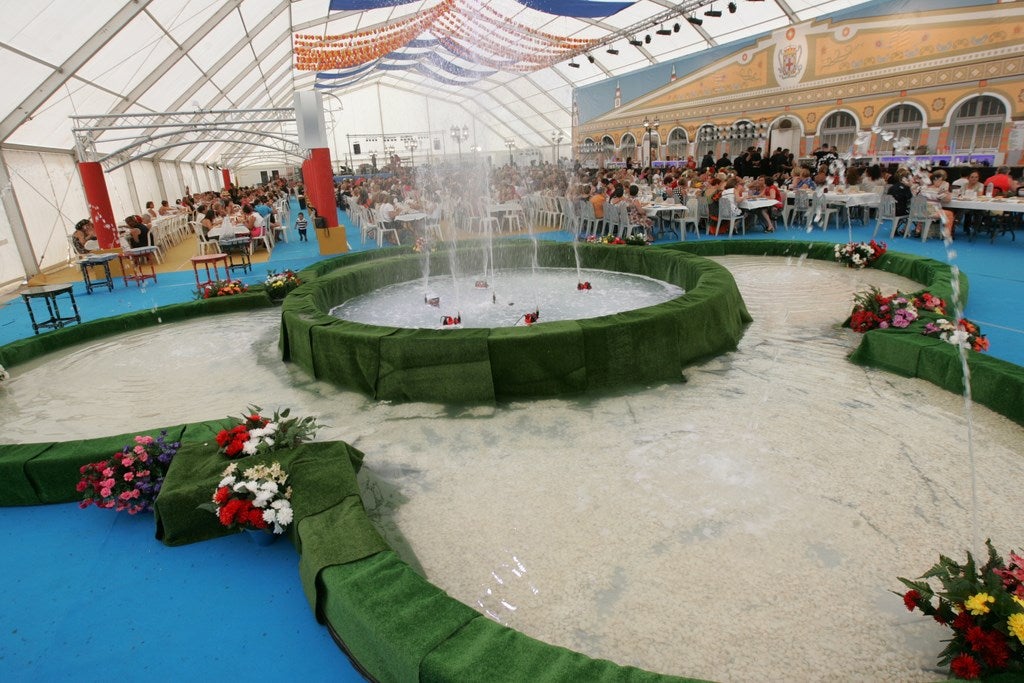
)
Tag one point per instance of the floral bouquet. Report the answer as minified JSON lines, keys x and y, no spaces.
{"x":612,"y":239}
{"x":964,"y":333}
{"x":129,"y":480}
{"x":637,"y":239}
{"x":221,"y":288}
{"x":872,"y":310}
{"x":926,"y":301}
{"x":424,"y":244}
{"x":4,"y":375}
{"x":859,"y":254}
{"x":983,"y":606}
{"x":259,"y":434}
{"x":279,"y":284}
{"x":259,"y":499}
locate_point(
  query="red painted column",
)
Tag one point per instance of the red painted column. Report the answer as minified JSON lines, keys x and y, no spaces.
{"x":323,"y":176}
{"x":226,"y":175}
{"x":100,"y":212}
{"x":309,"y":184}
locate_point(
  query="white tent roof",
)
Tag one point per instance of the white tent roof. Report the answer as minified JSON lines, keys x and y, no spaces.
{"x":63,"y":58}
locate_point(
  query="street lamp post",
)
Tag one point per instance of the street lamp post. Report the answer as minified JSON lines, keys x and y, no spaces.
{"x":411,"y":143}
{"x":511,"y":145}
{"x":459,"y":135}
{"x":556,"y":140}
{"x":650,"y":128}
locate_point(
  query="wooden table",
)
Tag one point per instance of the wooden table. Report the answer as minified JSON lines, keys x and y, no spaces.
{"x":49,"y":294}
{"x":103,"y":260}
{"x":210,"y":260}
{"x":138,"y":265}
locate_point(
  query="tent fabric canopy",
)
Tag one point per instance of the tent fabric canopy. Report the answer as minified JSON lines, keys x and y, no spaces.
{"x":152,"y":56}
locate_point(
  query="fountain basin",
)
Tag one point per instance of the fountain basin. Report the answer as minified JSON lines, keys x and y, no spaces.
{"x":631,"y":348}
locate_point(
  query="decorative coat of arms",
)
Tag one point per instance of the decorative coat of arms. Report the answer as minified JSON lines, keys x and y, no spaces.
{"x":789,"y":62}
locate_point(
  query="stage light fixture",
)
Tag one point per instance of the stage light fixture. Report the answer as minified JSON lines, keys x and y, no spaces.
{"x":731,"y":7}
{"x":635,"y":42}
{"x":663,"y":31}
{"x":590,"y":58}
{"x":713,"y":12}
{"x":647,"y":39}
{"x":675,"y":27}
{"x":696,"y":21}
{"x":612,"y":51}
{"x":574,"y":65}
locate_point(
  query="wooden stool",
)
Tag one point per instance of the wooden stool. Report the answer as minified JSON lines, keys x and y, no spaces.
{"x":207,"y":261}
{"x":97,"y":260}
{"x":139,"y":259}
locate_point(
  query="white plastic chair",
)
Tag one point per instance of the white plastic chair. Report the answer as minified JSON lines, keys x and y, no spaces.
{"x":799,"y":210}
{"x":887,"y":212}
{"x":921,"y":215}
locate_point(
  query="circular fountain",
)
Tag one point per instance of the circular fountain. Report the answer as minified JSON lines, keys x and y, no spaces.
{"x":483,"y":364}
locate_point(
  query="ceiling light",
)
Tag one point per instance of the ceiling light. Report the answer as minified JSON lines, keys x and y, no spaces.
{"x":612,"y":51}
{"x":590,"y":58}
{"x":675,"y":27}
{"x":647,"y":39}
{"x":663,"y":31}
{"x":696,"y":21}
{"x":731,"y":7}
{"x":635,"y":42}
{"x":713,"y":12}
{"x":574,"y":65}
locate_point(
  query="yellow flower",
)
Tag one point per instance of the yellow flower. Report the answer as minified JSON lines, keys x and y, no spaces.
{"x":977,"y":604}
{"x":1019,"y":601}
{"x":1015,"y":624}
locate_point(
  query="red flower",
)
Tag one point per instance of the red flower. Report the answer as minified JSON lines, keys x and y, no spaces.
{"x":965,"y":666}
{"x":910,"y":599}
{"x":862,"y":321}
{"x":222,"y":495}
{"x":963,"y":620}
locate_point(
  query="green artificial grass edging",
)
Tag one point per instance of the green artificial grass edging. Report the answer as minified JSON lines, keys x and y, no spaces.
{"x":24,"y":350}
{"x":393,"y":623}
{"x":484,"y":365}
{"x":995,"y":383}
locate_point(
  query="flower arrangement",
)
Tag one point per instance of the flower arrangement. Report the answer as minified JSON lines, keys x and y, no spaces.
{"x":872,"y":310}
{"x":926,"y":301}
{"x":221,"y":288}
{"x":259,"y":434}
{"x":4,"y":375}
{"x":129,"y":480}
{"x":259,"y":499}
{"x":636,"y":239}
{"x":984,"y":607}
{"x":859,"y":254}
{"x":963,"y":333}
{"x":279,"y":284}
{"x":424,"y":244}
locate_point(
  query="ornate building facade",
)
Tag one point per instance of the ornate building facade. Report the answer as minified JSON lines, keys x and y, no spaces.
{"x":949,"y":82}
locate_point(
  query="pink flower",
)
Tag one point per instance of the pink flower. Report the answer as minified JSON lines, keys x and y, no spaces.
{"x":139,"y":450}
{"x":107,"y":472}
{"x":128,"y":476}
{"x":127,"y":461}
{"x":105,"y":492}
{"x":144,"y":440}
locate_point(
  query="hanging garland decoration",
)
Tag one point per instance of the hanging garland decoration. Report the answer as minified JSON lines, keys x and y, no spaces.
{"x":477,"y":34}
{"x":319,"y":53}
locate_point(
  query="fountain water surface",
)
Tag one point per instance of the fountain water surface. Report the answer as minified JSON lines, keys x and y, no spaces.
{"x":747,"y":525}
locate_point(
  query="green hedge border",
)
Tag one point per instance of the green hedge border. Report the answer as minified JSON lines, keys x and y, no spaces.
{"x":653,"y":344}
{"x":995,"y":383}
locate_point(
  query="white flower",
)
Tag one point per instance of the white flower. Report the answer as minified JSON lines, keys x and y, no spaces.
{"x":269,"y":486}
{"x":269,"y":442}
{"x":249,"y":447}
{"x":270,"y":516}
{"x":270,"y":428}
{"x":227,"y":481}
{"x":256,"y":432}
{"x":284,"y":514}
{"x":959,"y":338}
{"x":262,"y":498}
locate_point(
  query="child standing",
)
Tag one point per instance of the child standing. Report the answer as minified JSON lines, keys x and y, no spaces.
{"x":301,"y":224}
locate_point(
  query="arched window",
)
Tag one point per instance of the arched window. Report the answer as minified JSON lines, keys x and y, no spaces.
{"x":742,"y":135}
{"x":839,"y":129}
{"x":628,"y":147}
{"x":977,"y":125}
{"x":677,"y":143}
{"x":609,"y":144}
{"x":903,"y":121}
{"x":706,"y":139}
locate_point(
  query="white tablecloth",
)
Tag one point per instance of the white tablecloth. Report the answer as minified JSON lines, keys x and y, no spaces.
{"x":981,"y":204}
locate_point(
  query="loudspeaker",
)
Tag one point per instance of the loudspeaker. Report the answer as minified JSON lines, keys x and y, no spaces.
{"x":356,"y":149}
